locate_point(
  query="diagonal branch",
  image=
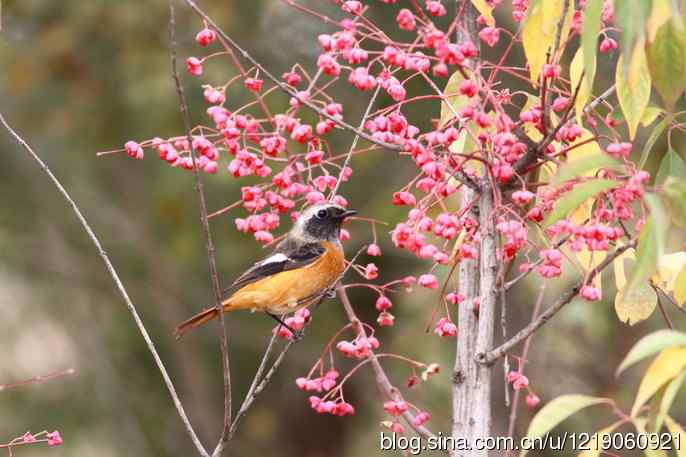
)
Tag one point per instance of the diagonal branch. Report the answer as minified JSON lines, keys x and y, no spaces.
{"x":118,"y":283}
{"x":488,"y":358}
{"x":223,"y":340}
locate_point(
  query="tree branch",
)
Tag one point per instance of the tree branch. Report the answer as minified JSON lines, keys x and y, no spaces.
{"x":118,"y":283}
{"x":488,"y":358}
{"x":223,"y":340}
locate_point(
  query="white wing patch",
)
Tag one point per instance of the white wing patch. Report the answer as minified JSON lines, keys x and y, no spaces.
{"x":276,"y":258}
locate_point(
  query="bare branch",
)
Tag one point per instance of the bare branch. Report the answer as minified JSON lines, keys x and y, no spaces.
{"x":38,"y":379}
{"x":223,"y":340}
{"x":118,"y":283}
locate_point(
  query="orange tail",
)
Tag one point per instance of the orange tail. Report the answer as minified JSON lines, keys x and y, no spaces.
{"x":199,"y":319}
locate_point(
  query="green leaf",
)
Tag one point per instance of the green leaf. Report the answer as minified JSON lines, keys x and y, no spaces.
{"x":453,"y":102}
{"x":633,"y":87}
{"x":589,"y":37}
{"x":650,"y":114}
{"x":558,"y":410}
{"x":652,"y":139}
{"x":578,"y":168}
{"x":630,"y":17}
{"x":674,"y":190}
{"x":651,"y":344}
{"x":659,"y":14}
{"x":667,"y":365}
{"x":575,"y":197}
{"x":651,"y":243}
{"x":666,"y":57}
{"x":671,"y":165}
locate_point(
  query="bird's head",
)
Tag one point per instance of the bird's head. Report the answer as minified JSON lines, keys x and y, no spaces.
{"x":321,"y":222}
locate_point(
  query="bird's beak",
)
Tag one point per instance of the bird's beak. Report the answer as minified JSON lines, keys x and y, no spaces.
{"x":347,"y":213}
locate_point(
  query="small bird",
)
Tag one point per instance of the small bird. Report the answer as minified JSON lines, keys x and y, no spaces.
{"x":297,"y":274}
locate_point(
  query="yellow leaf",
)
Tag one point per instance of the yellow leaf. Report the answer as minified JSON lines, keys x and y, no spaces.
{"x":668,"y":268}
{"x":677,"y":430}
{"x":637,"y":306}
{"x":680,"y":289}
{"x":458,"y":244}
{"x":620,"y":275}
{"x":538,"y":34}
{"x":453,"y":101}
{"x":530,"y":130}
{"x":660,"y":13}
{"x":576,"y":71}
{"x":595,"y":447}
{"x":666,"y":366}
{"x":650,"y":450}
{"x":485,"y":10}
{"x":566,"y":26}
{"x":668,"y":396}
{"x":587,"y":259}
{"x":650,"y":114}
{"x":585,"y":150}
{"x":633,"y":87}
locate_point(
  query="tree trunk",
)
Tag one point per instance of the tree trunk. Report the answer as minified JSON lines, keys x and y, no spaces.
{"x":477,"y":283}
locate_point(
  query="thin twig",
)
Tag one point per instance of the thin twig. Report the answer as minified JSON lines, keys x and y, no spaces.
{"x":38,"y":379}
{"x":487,"y":358}
{"x":525,"y":352}
{"x":119,"y":285}
{"x":660,"y":293}
{"x":258,"y":384}
{"x":223,"y":340}
{"x":354,"y":143}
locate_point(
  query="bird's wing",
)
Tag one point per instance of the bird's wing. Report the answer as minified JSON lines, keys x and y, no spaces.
{"x":284,"y":258}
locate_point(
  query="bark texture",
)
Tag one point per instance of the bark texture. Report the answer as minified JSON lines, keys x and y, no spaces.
{"x":477,"y":283}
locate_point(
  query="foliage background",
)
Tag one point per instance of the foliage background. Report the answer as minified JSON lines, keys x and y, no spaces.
{"x":79,"y":77}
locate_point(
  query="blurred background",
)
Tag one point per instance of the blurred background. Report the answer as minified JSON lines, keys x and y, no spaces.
{"x":81,"y":77}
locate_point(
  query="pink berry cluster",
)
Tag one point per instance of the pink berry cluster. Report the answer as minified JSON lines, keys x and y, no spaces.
{"x":519,"y":381}
{"x":53,"y":438}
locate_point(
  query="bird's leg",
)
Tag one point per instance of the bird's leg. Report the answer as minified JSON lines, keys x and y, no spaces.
{"x":296,"y":334}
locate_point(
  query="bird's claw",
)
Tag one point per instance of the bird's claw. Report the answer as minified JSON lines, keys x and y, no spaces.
{"x":330,"y":292}
{"x":297,"y":335}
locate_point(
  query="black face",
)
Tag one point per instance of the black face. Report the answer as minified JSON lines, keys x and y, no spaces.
{"x":326,"y":222}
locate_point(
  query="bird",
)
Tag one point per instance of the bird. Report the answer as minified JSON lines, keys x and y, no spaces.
{"x":298,"y":273}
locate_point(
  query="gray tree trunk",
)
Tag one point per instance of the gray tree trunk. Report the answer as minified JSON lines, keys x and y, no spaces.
{"x":477,"y":279}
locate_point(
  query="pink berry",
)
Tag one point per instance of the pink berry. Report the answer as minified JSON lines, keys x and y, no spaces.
{"x":205,"y":36}
{"x":194,"y":66}
{"x":532,"y":400}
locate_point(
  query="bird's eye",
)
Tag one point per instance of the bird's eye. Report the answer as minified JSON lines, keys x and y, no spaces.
{"x":321,"y":214}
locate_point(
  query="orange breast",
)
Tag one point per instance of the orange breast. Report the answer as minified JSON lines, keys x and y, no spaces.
{"x":290,"y":290}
